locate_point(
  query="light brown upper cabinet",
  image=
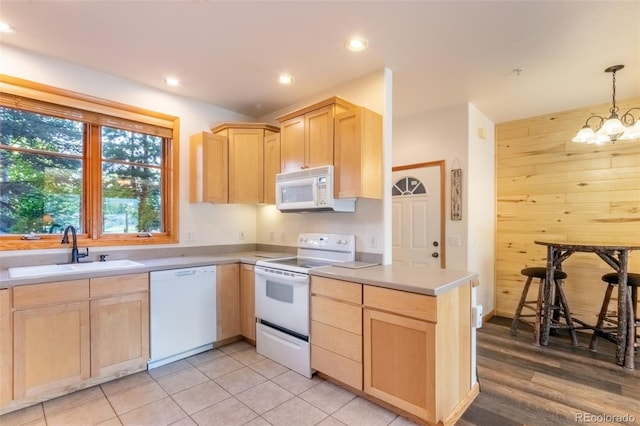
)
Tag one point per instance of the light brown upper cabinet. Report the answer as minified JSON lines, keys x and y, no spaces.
{"x":271,"y":166}
{"x":227,"y":166}
{"x":358,"y":154}
{"x":209,"y":173}
{"x":306,"y":135}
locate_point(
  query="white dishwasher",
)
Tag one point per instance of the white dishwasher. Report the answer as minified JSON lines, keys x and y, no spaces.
{"x":183,"y":313}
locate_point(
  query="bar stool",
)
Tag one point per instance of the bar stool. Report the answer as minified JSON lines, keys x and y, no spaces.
{"x":607,"y":325}
{"x":536,"y":305}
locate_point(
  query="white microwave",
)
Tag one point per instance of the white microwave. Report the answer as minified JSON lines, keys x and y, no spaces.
{"x":310,"y":190}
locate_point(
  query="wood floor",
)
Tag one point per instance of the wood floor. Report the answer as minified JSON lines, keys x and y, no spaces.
{"x":521,"y":384}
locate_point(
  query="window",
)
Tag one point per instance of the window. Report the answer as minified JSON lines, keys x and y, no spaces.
{"x":109,"y":170}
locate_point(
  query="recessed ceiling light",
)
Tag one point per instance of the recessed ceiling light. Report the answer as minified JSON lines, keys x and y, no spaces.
{"x":172,"y":81}
{"x":357,"y":44}
{"x":6,"y":28}
{"x":285,"y":79}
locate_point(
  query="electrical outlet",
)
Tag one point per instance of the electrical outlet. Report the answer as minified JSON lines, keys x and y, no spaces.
{"x":454,"y":241}
{"x":374,"y":241}
{"x":241,"y":235}
{"x":272,"y":236}
{"x":283,"y":237}
{"x":192,"y":236}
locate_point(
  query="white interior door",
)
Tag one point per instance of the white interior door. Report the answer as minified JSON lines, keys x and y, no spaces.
{"x":416,"y":212}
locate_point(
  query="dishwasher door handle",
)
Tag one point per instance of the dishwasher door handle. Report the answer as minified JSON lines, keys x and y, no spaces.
{"x":185,"y":272}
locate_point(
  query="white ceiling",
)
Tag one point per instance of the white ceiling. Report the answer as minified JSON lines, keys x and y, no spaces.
{"x":442,"y":53}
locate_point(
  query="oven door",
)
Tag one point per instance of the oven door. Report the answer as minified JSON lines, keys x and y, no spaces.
{"x":282,"y":299}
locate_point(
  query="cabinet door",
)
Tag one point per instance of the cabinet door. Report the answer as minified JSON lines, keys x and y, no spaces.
{"x":119,"y":334}
{"x":6,"y":347}
{"x":51,"y":348}
{"x":209,"y":174}
{"x":358,"y":154}
{"x":246,"y":166}
{"x":271,"y":166}
{"x":399,"y":362}
{"x":228,"y":300}
{"x":292,"y":144}
{"x":247,"y":301}
{"x":318,"y":132}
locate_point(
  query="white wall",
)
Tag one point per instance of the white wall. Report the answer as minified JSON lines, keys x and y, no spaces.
{"x":433,"y":136}
{"x":481,"y":199}
{"x":451,"y":134}
{"x":212,"y":224}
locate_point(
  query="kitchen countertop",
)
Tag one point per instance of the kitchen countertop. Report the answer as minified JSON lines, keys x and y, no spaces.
{"x":432,"y":282}
{"x":148,"y":265}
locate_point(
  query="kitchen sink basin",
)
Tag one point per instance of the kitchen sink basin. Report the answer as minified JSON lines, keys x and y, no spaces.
{"x":70,"y":268}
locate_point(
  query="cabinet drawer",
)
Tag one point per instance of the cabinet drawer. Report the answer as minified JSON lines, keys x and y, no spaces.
{"x":337,"y":314}
{"x":336,"y":340}
{"x":338,"y":367}
{"x":31,"y":296}
{"x":337,"y":289}
{"x":413,"y":305}
{"x":121,"y":284}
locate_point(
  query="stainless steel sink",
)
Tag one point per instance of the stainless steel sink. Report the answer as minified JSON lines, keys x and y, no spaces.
{"x":70,"y":268}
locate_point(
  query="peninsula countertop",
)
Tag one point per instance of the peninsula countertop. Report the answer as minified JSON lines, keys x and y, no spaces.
{"x":432,"y":282}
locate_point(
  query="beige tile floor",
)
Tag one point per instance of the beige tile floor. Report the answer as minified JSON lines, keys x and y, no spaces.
{"x":231,"y":385}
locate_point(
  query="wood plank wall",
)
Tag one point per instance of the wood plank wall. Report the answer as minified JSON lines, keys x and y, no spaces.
{"x":551,"y":188}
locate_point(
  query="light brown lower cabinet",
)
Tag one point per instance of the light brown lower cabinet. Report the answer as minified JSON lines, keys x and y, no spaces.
{"x":417,"y":351}
{"x":336,"y":329}
{"x":409,"y":350}
{"x":119,"y":324}
{"x":6,"y":344}
{"x":228,"y":300}
{"x":247,"y":301}
{"x":51,"y":335}
{"x":64,"y":336}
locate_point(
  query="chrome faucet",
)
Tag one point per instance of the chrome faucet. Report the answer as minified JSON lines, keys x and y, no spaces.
{"x":75,"y":255}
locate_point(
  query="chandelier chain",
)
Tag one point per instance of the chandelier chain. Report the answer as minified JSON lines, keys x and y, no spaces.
{"x":614,"y":108}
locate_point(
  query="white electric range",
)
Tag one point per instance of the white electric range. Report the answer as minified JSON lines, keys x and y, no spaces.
{"x":283,"y":298}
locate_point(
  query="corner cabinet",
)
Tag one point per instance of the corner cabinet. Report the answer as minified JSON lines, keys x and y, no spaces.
{"x":307,"y":134}
{"x":245,"y":159}
{"x":227,"y":165}
{"x":358,"y":154}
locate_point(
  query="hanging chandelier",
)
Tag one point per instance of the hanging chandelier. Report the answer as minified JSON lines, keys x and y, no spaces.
{"x":613,"y":128}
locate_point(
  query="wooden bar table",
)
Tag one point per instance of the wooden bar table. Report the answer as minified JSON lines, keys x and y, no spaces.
{"x":614,"y":255}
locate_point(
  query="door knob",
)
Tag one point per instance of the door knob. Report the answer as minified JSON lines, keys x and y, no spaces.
{"x":435,"y":254}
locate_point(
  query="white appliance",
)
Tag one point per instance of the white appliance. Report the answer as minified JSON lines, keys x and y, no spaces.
{"x":310,"y":190}
{"x":283,"y":296}
{"x":183,"y":313}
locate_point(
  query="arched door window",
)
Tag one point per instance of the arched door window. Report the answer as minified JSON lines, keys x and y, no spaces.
{"x":407,"y":186}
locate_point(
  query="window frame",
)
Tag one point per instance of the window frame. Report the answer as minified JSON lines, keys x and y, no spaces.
{"x":43,"y":99}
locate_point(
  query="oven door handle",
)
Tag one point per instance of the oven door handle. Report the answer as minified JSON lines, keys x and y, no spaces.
{"x":290,"y":277}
